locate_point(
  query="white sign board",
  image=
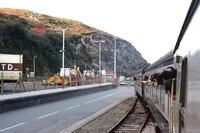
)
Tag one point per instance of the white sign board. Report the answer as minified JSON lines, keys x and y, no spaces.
{"x":64,"y":72}
{"x":31,"y":74}
{"x":103,"y":72}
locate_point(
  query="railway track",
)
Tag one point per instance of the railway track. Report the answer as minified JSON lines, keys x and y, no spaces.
{"x":133,"y":121}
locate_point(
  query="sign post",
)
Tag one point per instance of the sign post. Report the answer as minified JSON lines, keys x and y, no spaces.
{"x":1,"y":82}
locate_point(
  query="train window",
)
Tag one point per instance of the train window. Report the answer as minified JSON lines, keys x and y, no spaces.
{"x":183,"y":82}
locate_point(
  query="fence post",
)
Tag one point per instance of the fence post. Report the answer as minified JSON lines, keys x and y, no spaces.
{"x":14,"y":87}
{"x":45,"y":80}
{"x":38,"y":85}
{"x":54,"y":81}
{"x":76,"y":79}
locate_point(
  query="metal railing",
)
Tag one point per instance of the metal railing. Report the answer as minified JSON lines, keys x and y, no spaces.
{"x":163,"y":101}
{"x":8,"y":88}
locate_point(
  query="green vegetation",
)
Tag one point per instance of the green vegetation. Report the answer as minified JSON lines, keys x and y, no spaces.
{"x":16,"y":37}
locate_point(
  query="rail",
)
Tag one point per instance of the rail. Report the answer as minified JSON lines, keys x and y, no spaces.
{"x":134,"y":120}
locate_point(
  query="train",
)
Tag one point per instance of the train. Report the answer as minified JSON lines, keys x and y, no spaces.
{"x":177,"y":112}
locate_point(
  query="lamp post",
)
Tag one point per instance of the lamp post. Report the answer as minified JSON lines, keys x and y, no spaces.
{"x":63,"y":50}
{"x":63,"y":59}
{"x":34,"y":71}
{"x":63,"y":56}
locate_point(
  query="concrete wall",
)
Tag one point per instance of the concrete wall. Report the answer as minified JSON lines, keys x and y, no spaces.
{"x":11,"y":103}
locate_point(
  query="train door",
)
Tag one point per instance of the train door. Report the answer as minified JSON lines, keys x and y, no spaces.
{"x":183,"y":93}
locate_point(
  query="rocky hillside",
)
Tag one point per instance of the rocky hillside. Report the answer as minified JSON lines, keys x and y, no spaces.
{"x":29,"y":33}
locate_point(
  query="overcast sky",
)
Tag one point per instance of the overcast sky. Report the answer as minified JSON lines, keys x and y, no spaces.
{"x":152,"y":26}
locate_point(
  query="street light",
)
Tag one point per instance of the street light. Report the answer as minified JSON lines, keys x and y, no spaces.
{"x":63,"y":50}
{"x":63,"y":55}
{"x":34,"y":71}
{"x":100,"y":54}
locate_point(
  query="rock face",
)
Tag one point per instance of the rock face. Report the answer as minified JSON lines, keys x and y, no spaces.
{"x":127,"y":57}
{"x":19,"y":35}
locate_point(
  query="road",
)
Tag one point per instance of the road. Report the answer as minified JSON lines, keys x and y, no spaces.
{"x":56,"y":116}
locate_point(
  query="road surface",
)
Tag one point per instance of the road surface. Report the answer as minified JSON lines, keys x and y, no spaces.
{"x":56,"y":116}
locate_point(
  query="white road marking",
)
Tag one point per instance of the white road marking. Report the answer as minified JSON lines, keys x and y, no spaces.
{"x":87,"y":119}
{"x":48,"y":115}
{"x":72,"y":107}
{"x":2,"y":130}
{"x":103,"y":97}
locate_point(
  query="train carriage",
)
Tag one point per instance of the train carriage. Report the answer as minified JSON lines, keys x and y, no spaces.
{"x":188,"y":85}
{"x":181,"y":111}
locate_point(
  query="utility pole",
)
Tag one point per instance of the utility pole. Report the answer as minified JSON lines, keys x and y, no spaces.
{"x":99,"y":57}
{"x":100,"y":54}
{"x":115,"y":59}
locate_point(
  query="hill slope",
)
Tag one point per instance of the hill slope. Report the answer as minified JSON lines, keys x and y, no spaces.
{"x":28,"y":33}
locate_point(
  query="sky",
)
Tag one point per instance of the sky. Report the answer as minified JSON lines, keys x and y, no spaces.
{"x":151,"y":26}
